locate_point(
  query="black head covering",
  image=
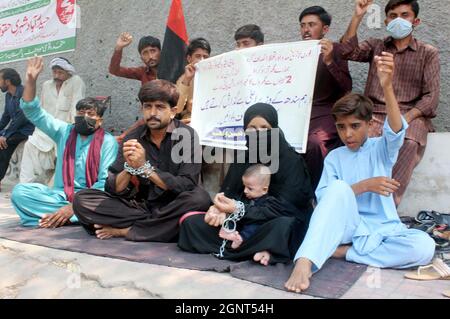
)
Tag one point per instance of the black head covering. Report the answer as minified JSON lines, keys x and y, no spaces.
{"x":266,"y":111}
{"x":290,"y":183}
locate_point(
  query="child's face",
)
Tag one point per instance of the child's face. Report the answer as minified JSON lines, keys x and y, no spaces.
{"x":253,"y":187}
{"x":353,"y":131}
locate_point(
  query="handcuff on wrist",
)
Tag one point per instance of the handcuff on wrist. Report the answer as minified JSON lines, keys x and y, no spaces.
{"x":145,"y":171}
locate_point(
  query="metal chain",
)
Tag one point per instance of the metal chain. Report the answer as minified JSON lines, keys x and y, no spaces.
{"x":138,"y":171}
{"x":238,"y":214}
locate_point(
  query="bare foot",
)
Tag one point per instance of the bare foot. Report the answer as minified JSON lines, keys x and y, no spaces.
{"x":234,"y":237}
{"x":341,"y":252}
{"x":299,"y":280}
{"x":263,"y":258}
{"x":106,"y":232}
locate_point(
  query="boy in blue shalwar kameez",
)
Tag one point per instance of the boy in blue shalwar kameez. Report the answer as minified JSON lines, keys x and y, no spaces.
{"x":356,"y":217}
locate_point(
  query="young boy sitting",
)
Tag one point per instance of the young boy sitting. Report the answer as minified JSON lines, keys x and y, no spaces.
{"x":356,"y":217}
{"x":256,"y":180}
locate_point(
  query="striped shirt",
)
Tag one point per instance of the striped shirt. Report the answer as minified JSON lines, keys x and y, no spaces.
{"x":416,"y":79}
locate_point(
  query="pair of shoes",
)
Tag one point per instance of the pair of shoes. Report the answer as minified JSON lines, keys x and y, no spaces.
{"x":446,"y":293}
{"x":432,"y":216}
{"x":437,"y":270}
{"x":442,"y":234}
{"x":427,"y":227}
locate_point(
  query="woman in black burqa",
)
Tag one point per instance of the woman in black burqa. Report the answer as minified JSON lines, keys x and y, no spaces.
{"x":283,"y":221}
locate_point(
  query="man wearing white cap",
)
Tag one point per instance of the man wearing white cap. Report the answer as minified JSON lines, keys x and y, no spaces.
{"x":59,"y":98}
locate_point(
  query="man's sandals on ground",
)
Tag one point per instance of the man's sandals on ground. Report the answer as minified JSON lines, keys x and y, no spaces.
{"x":433,"y":223}
{"x":438,"y":270}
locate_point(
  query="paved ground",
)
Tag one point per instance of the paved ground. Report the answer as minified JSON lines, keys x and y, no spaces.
{"x":28,"y":271}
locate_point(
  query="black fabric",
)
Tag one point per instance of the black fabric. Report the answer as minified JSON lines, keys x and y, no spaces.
{"x":291,"y":183}
{"x":178,"y":177}
{"x":286,"y":216}
{"x":173,"y":57}
{"x":13,"y":120}
{"x":266,"y":111}
{"x":5,"y":155}
{"x":151,"y":212}
{"x":156,"y":223}
{"x":280,"y":236}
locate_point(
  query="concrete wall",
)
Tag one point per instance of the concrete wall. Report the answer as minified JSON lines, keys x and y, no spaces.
{"x":103,"y":20}
{"x":430,"y":185}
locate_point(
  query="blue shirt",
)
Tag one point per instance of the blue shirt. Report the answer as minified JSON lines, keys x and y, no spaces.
{"x":59,"y":132}
{"x":13,"y":115}
{"x":376,"y":157}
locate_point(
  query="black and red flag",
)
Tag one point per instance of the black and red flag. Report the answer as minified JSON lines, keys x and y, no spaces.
{"x":173,"y":54}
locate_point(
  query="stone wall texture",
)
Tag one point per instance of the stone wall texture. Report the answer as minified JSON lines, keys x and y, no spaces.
{"x":103,"y":20}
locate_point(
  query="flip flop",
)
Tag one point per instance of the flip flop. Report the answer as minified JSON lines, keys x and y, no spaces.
{"x":446,"y":293}
{"x":437,"y":270}
{"x":442,"y":234}
{"x":427,"y":227}
{"x":425,"y":216}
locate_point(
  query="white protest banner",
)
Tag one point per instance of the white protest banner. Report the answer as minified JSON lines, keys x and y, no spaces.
{"x":36,"y":27}
{"x":282,"y":75}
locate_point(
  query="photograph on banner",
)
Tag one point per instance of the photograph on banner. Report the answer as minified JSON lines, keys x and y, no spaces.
{"x":226,"y":85}
{"x":36,"y":28}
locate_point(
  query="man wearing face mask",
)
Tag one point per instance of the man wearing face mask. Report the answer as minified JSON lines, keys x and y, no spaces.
{"x":59,"y":98}
{"x":85,"y":151}
{"x":416,"y":83}
{"x":14,"y":126}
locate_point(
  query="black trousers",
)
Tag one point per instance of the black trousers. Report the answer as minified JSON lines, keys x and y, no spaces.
{"x":158,"y":222}
{"x":281,"y":237}
{"x":5,"y":155}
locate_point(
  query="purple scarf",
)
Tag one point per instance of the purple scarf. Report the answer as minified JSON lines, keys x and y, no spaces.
{"x":92,"y":162}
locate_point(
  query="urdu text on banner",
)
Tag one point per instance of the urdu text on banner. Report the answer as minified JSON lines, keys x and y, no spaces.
{"x":282,"y":75}
{"x":36,"y":28}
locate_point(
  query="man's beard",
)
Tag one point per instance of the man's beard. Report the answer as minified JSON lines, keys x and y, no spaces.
{"x":154,"y":125}
{"x":4,"y":89}
{"x":152,"y":64}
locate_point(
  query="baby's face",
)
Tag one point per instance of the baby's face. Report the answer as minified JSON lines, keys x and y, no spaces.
{"x":253,"y":187}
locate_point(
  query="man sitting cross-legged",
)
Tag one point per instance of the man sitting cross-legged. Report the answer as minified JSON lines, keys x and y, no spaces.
{"x":150,"y":186}
{"x":85,"y":151}
{"x":355,"y":203}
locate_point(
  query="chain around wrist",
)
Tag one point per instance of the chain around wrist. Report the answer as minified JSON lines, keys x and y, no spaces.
{"x":138,"y":171}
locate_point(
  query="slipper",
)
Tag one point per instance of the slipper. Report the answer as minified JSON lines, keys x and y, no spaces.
{"x":442,"y":234}
{"x":437,"y":270}
{"x":427,"y":227}
{"x":446,"y":293}
{"x":408,"y":221}
{"x":425,"y":216}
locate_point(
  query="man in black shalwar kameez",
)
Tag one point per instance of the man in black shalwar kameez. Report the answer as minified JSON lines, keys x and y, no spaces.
{"x":148,"y":188}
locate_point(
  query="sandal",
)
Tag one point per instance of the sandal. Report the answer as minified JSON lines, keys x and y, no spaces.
{"x":437,"y":270}
{"x":442,"y":234}
{"x":427,"y":227}
{"x":425,"y":216}
{"x":408,"y":221}
{"x":446,"y":293}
